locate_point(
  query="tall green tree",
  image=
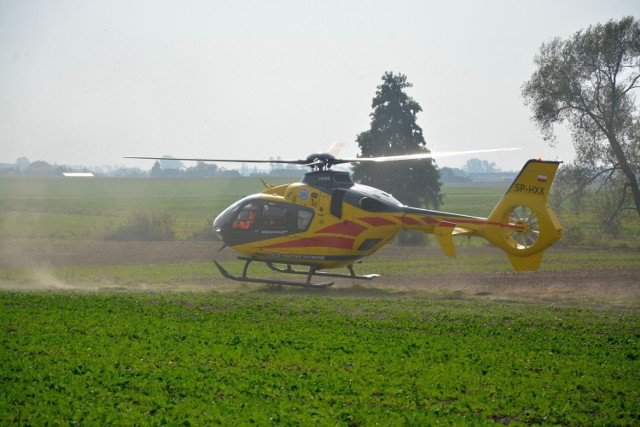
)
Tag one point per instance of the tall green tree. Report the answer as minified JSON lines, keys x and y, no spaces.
{"x":589,"y":83}
{"x":394,"y":131}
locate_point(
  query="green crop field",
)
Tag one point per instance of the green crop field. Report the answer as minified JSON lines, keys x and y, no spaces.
{"x":278,"y":358}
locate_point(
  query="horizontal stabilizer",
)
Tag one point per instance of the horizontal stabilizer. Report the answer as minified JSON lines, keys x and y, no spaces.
{"x":443,"y":233}
{"x":461,"y":231}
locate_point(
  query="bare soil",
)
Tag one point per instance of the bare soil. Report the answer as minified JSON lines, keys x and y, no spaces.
{"x":24,"y":254}
{"x":611,"y":284}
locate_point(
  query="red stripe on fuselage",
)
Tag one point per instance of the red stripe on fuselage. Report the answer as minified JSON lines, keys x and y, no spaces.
{"x":377,"y":221}
{"x":349,"y":228}
{"x":408,"y":220}
{"x":429,"y":220}
{"x":462,"y":221}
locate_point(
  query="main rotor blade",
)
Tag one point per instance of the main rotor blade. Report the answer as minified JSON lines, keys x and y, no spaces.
{"x":336,"y":148}
{"x":420,"y":156}
{"x":290,"y":162}
{"x":321,"y":160}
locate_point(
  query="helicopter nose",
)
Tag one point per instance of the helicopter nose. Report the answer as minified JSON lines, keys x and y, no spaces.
{"x":219,"y":225}
{"x":218,"y":232}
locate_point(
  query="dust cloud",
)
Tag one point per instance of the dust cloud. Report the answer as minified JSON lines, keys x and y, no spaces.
{"x":43,"y":279}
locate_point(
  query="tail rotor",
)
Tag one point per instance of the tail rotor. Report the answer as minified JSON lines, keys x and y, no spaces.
{"x":526,"y":227}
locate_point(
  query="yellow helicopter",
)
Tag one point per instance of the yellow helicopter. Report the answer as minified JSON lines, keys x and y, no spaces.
{"x":327,"y":221}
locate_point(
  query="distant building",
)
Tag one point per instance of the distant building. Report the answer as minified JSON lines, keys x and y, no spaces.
{"x":9,"y":170}
{"x":229,"y":173}
{"x":78,"y":174}
{"x":40,"y":168}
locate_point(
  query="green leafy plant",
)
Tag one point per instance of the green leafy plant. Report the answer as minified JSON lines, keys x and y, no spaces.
{"x":287,"y":358}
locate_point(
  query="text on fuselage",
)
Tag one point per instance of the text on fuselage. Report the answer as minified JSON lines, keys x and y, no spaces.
{"x":531,"y":189}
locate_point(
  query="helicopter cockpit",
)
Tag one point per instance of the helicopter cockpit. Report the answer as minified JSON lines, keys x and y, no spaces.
{"x":272,"y":218}
{"x":254,"y":218}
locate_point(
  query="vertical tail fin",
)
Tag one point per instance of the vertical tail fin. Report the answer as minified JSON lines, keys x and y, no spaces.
{"x":523,"y":224}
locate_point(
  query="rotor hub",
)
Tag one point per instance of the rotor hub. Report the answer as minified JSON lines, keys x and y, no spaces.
{"x":321,"y":161}
{"x":522,"y":226}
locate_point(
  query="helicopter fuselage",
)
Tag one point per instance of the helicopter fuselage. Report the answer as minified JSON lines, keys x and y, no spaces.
{"x":325,"y":220}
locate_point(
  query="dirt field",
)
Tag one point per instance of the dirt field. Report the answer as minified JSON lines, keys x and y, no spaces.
{"x":612,"y":284}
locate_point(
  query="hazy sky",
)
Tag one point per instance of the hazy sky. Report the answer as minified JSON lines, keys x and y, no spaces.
{"x":87,"y":82}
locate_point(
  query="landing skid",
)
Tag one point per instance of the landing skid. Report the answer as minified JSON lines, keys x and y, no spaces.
{"x":352,"y":275}
{"x":312,"y":271}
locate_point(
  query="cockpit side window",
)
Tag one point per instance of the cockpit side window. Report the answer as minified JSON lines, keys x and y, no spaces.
{"x":274,"y":218}
{"x":248,"y":218}
{"x":336,"y":202}
{"x":268,"y":218}
{"x":372,"y":205}
{"x":304,"y":218}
